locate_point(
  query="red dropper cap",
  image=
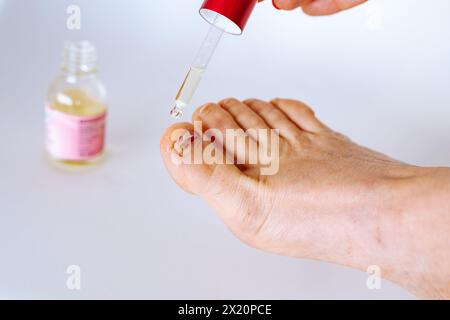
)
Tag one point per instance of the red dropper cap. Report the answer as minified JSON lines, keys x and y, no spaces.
{"x":230,"y":15}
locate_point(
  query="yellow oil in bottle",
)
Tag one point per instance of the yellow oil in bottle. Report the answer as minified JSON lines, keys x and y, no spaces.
{"x":76,"y":102}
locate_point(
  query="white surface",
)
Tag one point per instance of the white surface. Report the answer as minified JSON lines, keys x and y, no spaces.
{"x":379,"y":74}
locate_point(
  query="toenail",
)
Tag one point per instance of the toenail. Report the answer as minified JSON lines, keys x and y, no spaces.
{"x":250,"y":101}
{"x":206,"y":109}
{"x":228,"y":101}
{"x":184,"y":142}
{"x":178,"y":149}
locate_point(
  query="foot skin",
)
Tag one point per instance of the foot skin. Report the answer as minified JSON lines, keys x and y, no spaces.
{"x":331,"y":199}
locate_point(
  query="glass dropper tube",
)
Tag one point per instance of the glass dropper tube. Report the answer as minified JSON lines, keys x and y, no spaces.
{"x":198,"y":67}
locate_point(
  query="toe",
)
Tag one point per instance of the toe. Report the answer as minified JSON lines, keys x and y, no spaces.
{"x":275,"y":119}
{"x":302,"y":115}
{"x":220,"y":184}
{"x":171,"y":148}
{"x":183,"y":152}
{"x":254,"y":126}
{"x":212,"y":115}
{"x":219,"y":123}
{"x":248,"y":119}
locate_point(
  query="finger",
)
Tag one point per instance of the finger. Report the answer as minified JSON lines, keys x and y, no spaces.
{"x":326,"y":7}
{"x":289,"y":4}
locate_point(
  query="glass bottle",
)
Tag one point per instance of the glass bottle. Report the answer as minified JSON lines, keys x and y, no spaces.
{"x":76,"y":108}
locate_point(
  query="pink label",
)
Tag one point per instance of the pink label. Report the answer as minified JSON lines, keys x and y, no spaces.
{"x":73,"y":137}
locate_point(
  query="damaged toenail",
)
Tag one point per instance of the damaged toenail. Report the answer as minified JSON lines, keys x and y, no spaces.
{"x":178,"y":149}
{"x":184,"y":142}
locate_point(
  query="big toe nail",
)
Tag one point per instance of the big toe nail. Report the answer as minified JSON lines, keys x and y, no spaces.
{"x":182,"y":149}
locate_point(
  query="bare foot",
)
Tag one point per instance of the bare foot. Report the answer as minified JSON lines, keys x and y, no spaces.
{"x":330,"y":200}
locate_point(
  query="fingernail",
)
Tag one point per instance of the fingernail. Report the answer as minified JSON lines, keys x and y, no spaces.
{"x":275,"y":5}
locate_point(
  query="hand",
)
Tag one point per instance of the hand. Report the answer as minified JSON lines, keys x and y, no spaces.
{"x":317,"y":7}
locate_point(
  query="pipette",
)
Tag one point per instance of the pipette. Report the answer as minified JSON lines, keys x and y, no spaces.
{"x":198,"y":67}
{"x":228,"y":16}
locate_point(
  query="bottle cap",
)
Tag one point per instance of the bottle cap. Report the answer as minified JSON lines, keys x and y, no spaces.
{"x":229,"y":15}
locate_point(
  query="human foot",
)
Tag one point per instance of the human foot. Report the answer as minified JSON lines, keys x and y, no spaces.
{"x":330,"y":199}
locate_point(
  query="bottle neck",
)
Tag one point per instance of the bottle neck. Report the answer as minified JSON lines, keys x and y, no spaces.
{"x":79,"y":59}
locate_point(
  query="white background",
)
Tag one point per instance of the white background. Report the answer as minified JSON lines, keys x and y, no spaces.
{"x":380,"y":74}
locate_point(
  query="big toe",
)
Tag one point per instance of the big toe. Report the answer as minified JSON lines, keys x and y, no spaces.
{"x":182,"y":151}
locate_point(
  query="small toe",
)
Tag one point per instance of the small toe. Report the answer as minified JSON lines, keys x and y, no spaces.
{"x":219,"y":123}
